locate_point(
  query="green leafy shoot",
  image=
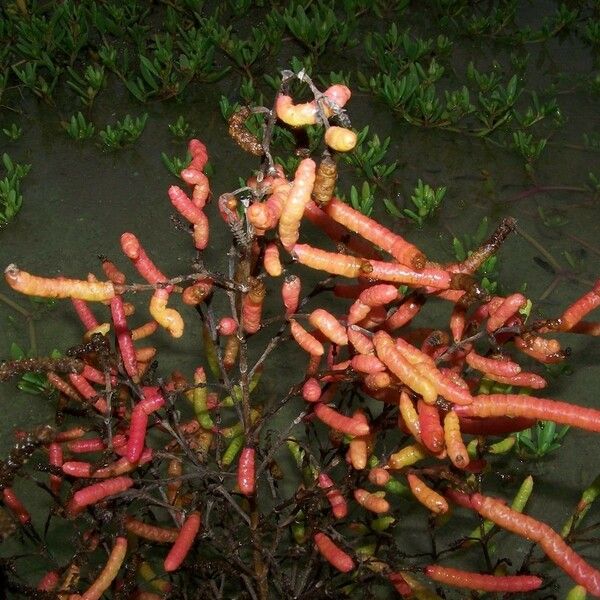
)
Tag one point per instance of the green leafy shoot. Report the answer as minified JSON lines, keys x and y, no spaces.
{"x":11,"y":198}
{"x":180,"y":128}
{"x":175,"y":164}
{"x":13,"y":132}
{"x":426,"y":200}
{"x":79,"y":128}
{"x":124,"y":133}
{"x":539,"y":441}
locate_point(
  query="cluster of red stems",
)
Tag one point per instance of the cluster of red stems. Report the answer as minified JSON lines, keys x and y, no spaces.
{"x":207,"y":489}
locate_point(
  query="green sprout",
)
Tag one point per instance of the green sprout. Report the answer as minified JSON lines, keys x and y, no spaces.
{"x":78,"y":128}
{"x":11,"y":198}
{"x":364,"y":199}
{"x":13,"y":132}
{"x":87,"y":85}
{"x":539,"y":441}
{"x":426,"y":201}
{"x":123,"y":133}
{"x":180,"y":128}
{"x":35,"y":384}
{"x":175,"y":164}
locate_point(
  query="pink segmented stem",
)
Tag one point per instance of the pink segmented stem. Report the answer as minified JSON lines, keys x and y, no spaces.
{"x":290,"y":294}
{"x":480,"y":581}
{"x":340,"y":422}
{"x":402,"y":368}
{"x":185,"y":540}
{"x":495,"y":366}
{"x":509,"y":307}
{"x":404,"y":252}
{"x":154,"y":533}
{"x":99,"y":491}
{"x":330,"y":262}
{"x":360,"y":446}
{"x":85,"y":314}
{"x":372,"y":502}
{"x":109,"y":572}
{"x":81,"y":384}
{"x":557,"y":550}
{"x":405,"y":313}
{"x":329,"y":326}
{"x":362,"y":344}
{"x":311,"y":390}
{"x":337,"y":232}
{"x":124,"y":339}
{"x":367,"y":363}
{"x":339,"y":505}
{"x":426,"y":496}
{"x":227,"y":326}
{"x":530,"y":407}
{"x":580,"y":308}
{"x":298,"y":197}
{"x":199,"y":153}
{"x":523,"y":379}
{"x":144,"y":266}
{"x":186,"y":208}
{"x":49,"y":581}
{"x":246,"y":474}
{"x":430,"y":277}
{"x":272,"y":261}
{"x":333,"y":554}
{"x":14,"y":504}
{"x":432,"y":432}
{"x":305,"y":340}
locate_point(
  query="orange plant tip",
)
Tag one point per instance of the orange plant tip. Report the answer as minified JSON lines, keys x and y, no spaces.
{"x":57,"y":287}
{"x":333,"y":554}
{"x":340,"y":139}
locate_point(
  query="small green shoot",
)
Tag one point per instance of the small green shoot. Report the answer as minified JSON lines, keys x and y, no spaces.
{"x":35,"y":384}
{"x":11,"y":198}
{"x":180,"y":128}
{"x":123,"y":133}
{"x":363,"y":201}
{"x":78,"y":128}
{"x":13,"y":132}
{"x":539,"y":441}
{"x":175,"y":164}
{"x":426,"y":201}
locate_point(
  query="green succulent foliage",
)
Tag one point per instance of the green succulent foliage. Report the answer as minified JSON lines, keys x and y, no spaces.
{"x":35,"y":384}
{"x":541,"y":440}
{"x":11,"y":198}
{"x":246,"y":52}
{"x":317,"y":27}
{"x":13,"y":131}
{"x":426,"y":200}
{"x":123,"y":133}
{"x":79,"y":128}
{"x":363,"y":199}
{"x":369,"y":154}
{"x":88,"y":84}
{"x":180,"y":128}
{"x":175,"y":164}
{"x":528,"y":148}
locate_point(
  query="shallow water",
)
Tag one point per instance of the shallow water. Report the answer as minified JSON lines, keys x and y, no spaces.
{"x":79,"y":199}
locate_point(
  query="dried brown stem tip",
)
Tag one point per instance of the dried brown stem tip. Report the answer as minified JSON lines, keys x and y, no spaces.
{"x":240,"y":135}
{"x":40,"y":365}
{"x":325,"y":181}
{"x":490,"y":246}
